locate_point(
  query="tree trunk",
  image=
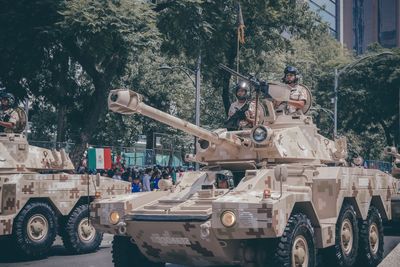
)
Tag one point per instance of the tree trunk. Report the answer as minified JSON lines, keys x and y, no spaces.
{"x":226,"y":92}
{"x":231,"y":55}
{"x":61,"y":122}
{"x":388,"y":135}
{"x":97,"y":106}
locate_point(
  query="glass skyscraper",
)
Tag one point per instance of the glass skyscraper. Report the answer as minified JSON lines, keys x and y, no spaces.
{"x":327,"y":9}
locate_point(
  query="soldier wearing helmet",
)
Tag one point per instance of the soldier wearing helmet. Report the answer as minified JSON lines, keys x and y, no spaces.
{"x":8,"y":116}
{"x":241,"y":113}
{"x":298,"y":96}
{"x":224,"y":180}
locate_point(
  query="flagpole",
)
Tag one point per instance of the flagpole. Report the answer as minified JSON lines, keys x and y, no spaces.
{"x":238,"y":54}
{"x":240,"y":37}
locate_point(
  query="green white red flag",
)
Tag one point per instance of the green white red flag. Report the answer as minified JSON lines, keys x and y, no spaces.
{"x":99,"y":158}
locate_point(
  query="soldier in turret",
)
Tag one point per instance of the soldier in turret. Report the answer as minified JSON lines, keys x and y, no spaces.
{"x":241,"y":113}
{"x":298,"y":96}
{"x":8,"y":116}
{"x":224,"y":180}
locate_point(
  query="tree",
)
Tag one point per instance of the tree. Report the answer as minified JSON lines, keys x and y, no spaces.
{"x":370,"y":93}
{"x":60,"y":44}
{"x":209,"y":28}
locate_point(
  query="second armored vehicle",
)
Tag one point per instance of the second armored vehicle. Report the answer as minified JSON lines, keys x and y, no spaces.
{"x":292,"y":194}
{"x":40,"y":198}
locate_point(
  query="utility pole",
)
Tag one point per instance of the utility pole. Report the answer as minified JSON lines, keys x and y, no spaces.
{"x":197,"y":108}
{"x":196,"y":83}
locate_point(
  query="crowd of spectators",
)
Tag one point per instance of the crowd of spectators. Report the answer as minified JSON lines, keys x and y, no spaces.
{"x":142,"y":179}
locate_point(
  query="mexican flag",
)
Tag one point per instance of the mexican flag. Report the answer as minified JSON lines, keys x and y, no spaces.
{"x":99,"y":158}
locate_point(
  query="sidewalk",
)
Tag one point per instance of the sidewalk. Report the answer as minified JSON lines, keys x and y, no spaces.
{"x":392,"y":259}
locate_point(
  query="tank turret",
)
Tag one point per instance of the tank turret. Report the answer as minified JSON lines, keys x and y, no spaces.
{"x":17,"y":156}
{"x":278,"y":138}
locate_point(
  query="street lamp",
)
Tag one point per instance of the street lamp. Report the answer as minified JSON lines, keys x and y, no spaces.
{"x":336,"y":84}
{"x":196,"y":84}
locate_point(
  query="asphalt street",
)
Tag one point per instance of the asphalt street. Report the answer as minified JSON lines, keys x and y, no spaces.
{"x":102,"y":258}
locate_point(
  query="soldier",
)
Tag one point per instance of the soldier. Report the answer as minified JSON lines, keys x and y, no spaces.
{"x":241,"y":113}
{"x":224,"y":180}
{"x":298,"y":96}
{"x":8,"y":116}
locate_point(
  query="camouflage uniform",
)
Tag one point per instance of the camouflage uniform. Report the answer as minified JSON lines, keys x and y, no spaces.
{"x":8,"y":115}
{"x":235,"y":106}
{"x":297,"y":93}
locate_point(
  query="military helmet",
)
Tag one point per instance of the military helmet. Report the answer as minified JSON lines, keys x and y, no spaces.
{"x":10,"y":97}
{"x":245,"y":86}
{"x":291,"y":70}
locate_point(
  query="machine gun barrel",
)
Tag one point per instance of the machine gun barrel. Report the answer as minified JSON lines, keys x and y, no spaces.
{"x":129,"y":102}
{"x":250,"y":79}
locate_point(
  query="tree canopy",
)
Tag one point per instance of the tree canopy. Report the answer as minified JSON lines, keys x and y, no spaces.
{"x":66,"y":56}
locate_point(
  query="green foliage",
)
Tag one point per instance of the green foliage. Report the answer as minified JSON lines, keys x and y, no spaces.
{"x":69,"y":54}
{"x":369,"y":100}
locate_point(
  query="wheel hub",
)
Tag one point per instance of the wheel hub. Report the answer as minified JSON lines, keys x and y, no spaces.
{"x":86,"y":231}
{"x":300,"y":254}
{"x":373,"y":238}
{"x":37,"y":227}
{"x":346,"y":237}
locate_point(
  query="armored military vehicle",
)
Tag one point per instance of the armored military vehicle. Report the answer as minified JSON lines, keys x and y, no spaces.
{"x":292,"y":195}
{"x":39,"y":197}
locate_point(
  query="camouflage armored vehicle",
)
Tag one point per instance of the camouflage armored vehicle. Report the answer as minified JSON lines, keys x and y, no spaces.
{"x":392,"y":151}
{"x":40,"y":198}
{"x":292,"y":194}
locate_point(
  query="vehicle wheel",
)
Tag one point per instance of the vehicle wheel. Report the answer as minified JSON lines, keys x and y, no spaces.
{"x":345,"y":250}
{"x":125,"y":253}
{"x":35,"y":229}
{"x":296,"y":247}
{"x":78,"y":234}
{"x":371,"y":239}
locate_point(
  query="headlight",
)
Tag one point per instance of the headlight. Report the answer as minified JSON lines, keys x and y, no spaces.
{"x":114,"y":217}
{"x":228,"y":218}
{"x":261,"y":134}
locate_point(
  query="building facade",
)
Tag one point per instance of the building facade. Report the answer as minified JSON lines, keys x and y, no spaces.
{"x":369,"y":21}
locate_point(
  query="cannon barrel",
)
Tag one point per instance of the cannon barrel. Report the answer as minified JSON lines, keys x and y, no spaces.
{"x":129,"y":102}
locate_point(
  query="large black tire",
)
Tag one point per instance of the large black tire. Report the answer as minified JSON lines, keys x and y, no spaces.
{"x":125,"y":254}
{"x":297,"y":247}
{"x":371,"y":239}
{"x":344,"y":252}
{"x":78,"y":236}
{"x":35,"y":229}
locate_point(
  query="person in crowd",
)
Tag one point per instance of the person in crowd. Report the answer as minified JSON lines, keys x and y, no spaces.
{"x":136,"y":184}
{"x":166,"y":176}
{"x":154,"y":179}
{"x":126,"y":174}
{"x":172,"y":172}
{"x":146,"y":179}
{"x":117,"y":174}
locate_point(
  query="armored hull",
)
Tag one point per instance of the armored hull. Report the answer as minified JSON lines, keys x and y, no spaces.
{"x":192,"y":231}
